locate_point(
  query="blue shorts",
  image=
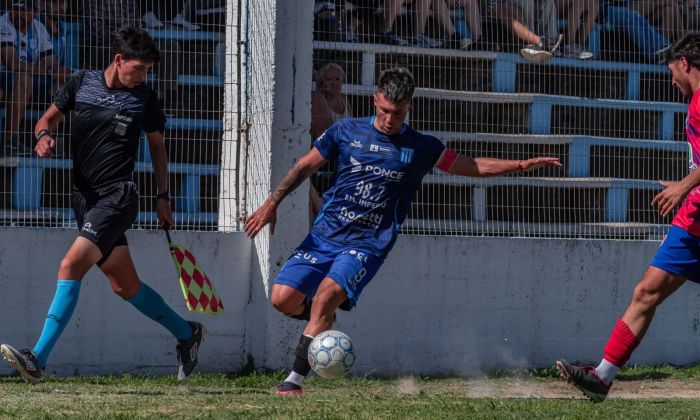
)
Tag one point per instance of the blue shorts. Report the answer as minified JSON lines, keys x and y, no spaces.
{"x":679,"y":254}
{"x":316,"y":259}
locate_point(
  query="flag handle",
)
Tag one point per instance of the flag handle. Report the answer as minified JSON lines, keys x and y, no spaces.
{"x":167,"y":233}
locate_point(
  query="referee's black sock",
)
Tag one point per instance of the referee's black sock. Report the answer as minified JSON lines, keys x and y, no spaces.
{"x":301,"y":365}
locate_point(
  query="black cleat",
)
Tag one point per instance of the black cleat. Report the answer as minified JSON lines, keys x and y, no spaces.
{"x":188,"y":351}
{"x":585,"y":379}
{"x":287,"y":388}
{"x":24,"y":361}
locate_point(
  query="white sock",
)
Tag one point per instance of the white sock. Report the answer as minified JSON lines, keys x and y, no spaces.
{"x":295,"y":378}
{"x":606,"y":371}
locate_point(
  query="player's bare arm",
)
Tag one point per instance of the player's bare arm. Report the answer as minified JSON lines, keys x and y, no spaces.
{"x":267,"y":212}
{"x":47,"y":124}
{"x":159,"y":160}
{"x":674,"y":193}
{"x":484,"y":167}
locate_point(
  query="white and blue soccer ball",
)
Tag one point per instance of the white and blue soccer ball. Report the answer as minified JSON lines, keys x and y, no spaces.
{"x":331,"y":354}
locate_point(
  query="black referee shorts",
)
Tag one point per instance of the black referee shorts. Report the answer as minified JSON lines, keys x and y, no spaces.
{"x":103,"y":216}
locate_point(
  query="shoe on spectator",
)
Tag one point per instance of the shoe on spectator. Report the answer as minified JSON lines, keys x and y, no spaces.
{"x":455,"y":41}
{"x":536,"y":54}
{"x":181,"y":21}
{"x":424,"y":41}
{"x":151,"y":21}
{"x":351,"y":34}
{"x":392,"y":39}
{"x":576,"y":51}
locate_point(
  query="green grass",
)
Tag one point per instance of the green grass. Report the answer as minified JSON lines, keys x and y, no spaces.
{"x":252,"y":396}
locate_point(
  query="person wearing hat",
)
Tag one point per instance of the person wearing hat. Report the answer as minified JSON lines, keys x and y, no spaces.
{"x":27,"y":66}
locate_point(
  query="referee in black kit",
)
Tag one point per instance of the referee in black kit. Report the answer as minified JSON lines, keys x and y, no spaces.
{"x":110,"y":108}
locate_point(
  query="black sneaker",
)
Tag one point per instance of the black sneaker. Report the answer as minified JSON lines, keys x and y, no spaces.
{"x":24,"y":361}
{"x":287,"y":388}
{"x":392,"y":39}
{"x":188,"y":351}
{"x":585,"y":379}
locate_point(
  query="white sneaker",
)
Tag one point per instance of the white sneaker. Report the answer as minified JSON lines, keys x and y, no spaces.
{"x":180,"y":20}
{"x":536,"y":54}
{"x":151,"y":21}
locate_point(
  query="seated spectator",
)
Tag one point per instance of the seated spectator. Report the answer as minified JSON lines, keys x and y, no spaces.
{"x":53,"y":12}
{"x":422,"y":7}
{"x":455,"y":39}
{"x":328,"y":105}
{"x":518,"y":16}
{"x":665,"y":15}
{"x":29,"y":68}
{"x":470,"y":30}
{"x":153,"y":11}
{"x":647,"y":39}
{"x":326,"y":25}
{"x":102,"y":20}
{"x":581,"y":16}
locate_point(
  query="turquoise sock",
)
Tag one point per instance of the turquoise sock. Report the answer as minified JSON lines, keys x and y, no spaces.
{"x":60,"y":311}
{"x":151,"y":304}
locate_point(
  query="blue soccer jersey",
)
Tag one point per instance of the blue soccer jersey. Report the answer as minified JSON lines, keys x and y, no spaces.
{"x":375,"y":184}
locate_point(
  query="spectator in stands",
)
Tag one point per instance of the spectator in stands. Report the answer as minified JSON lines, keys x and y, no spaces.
{"x":328,"y":105}
{"x":29,"y":68}
{"x":691,"y":10}
{"x":103,"y":19}
{"x":519,"y":16}
{"x":665,"y":15}
{"x":470,"y":30}
{"x":581,"y":16}
{"x":153,"y":11}
{"x":422,"y":7}
{"x":326,"y":25}
{"x":649,"y":41}
{"x":52,"y":13}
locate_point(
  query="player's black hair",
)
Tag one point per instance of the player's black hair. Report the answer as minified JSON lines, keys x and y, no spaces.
{"x":135,"y":43}
{"x":687,"y":46}
{"x":396,"y":84}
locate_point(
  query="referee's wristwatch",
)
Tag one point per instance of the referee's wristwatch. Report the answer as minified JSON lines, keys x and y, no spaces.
{"x":165,"y":195}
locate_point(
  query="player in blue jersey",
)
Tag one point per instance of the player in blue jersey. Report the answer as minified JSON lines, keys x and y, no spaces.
{"x":381,"y":163}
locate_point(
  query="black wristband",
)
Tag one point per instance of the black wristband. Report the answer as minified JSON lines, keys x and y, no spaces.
{"x":165,"y":195}
{"x":42,"y":133}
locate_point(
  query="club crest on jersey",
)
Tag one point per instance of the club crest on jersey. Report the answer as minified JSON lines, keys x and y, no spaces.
{"x":406,"y":155}
{"x":356,"y":143}
{"x":380,"y":149}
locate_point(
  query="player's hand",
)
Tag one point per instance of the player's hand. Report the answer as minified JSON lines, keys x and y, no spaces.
{"x":530,"y":165}
{"x":165,"y":213}
{"x":267,"y":213}
{"x":670,"y":197}
{"x":45,"y":146}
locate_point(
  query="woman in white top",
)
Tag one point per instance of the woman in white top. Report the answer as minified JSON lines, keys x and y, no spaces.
{"x":328,"y":105}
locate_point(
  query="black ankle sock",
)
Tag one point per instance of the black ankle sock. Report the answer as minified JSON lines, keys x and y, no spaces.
{"x":301,"y":361}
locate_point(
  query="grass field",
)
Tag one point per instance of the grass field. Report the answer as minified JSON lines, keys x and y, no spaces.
{"x":655,"y":392}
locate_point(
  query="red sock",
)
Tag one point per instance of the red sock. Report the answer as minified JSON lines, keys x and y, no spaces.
{"x":621,"y":344}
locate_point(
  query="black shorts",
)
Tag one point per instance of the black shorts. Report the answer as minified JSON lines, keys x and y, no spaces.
{"x":103,"y":216}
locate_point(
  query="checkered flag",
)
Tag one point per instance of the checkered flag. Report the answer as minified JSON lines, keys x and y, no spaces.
{"x":199,"y":293}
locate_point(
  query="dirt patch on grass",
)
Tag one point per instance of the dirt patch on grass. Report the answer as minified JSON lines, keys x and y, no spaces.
{"x":558,"y":388}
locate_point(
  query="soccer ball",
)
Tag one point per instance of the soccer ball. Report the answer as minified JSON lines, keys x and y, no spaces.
{"x":331,"y":354}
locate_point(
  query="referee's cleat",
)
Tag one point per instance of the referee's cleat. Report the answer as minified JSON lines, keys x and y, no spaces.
{"x":585,"y":379}
{"x":287,"y":388}
{"x":24,"y":361}
{"x":188,"y":351}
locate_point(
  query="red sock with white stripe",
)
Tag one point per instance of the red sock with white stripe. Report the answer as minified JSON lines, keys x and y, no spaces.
{"x":618,"y":350}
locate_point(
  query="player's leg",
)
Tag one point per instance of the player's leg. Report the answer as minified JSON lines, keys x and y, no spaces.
{"x":677,"y":259}
{"x":350,"y":272}
{"x":81,"y":256}
{"x":121,"y":273}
